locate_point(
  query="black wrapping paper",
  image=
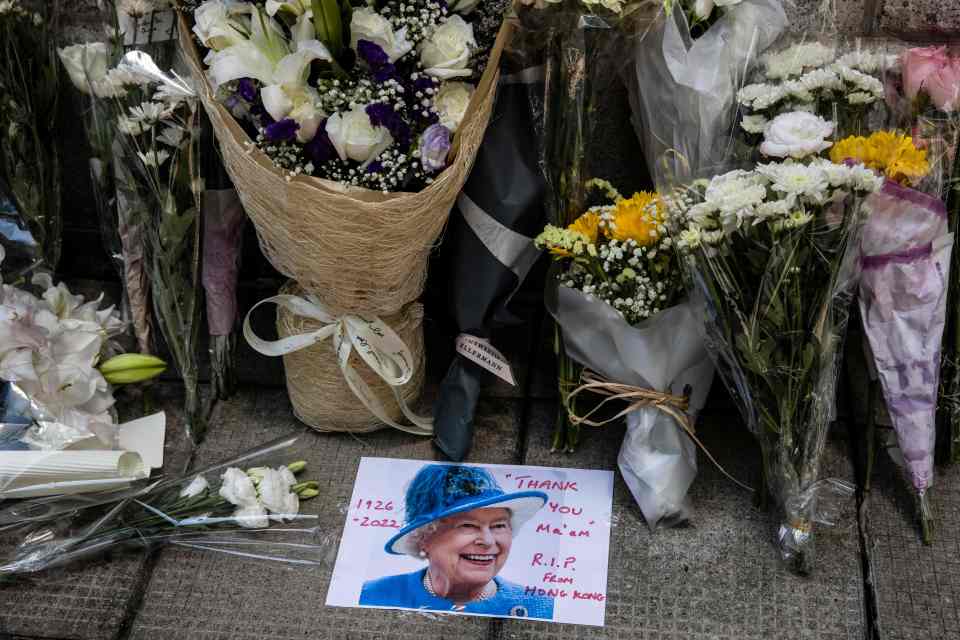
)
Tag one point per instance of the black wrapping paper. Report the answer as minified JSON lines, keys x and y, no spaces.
{"x":489,"y":245}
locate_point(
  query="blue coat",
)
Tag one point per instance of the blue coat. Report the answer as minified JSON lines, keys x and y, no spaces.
{"x":407,"y":591}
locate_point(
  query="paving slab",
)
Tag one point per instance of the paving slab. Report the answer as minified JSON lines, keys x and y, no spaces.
{"x":720,"y":577}
{"x":917,"y":586}
{"x":203,"y":595}
{"x":91,"y":599}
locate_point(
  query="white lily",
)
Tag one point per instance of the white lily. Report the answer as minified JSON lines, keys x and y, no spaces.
{"x":282,"y":67}
{"x":295,"y":8}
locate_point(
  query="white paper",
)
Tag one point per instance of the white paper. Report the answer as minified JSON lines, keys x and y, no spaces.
{"x":145,"y":436}
{"x":19,"y":469}
{"x":561,"y":553}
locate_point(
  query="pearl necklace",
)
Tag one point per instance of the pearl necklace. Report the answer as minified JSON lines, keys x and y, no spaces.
{"x":488,"y":590}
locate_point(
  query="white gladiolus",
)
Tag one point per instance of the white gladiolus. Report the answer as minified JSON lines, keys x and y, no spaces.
{"x":446,"y":53}
{"x":796,"y":134}
{"x":367,"y":24}
{"x":354,"y":136}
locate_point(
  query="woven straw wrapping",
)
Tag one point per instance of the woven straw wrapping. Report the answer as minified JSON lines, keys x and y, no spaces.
{"x":320,"y":396}
{"x":360,"y":251}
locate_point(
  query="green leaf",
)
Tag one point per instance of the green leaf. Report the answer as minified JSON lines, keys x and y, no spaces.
{"x":328,"y":25}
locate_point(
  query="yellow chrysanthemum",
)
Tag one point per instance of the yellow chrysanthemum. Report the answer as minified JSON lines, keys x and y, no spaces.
{"x":637,"y":218}
{"x":892,"y":154}
{"x":587,"y":224}
{"x":853,"y":148}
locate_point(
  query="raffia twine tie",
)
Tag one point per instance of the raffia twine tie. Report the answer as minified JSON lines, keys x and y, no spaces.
{"x":638,"y":398}
{"x":377,"y":344}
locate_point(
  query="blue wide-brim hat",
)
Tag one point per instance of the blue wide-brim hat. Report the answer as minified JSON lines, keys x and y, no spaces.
{"x":440,"y":490}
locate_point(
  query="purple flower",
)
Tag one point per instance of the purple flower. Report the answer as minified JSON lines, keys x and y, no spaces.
{"x":434,"y":147}
{"x":280,"y":131}
{"x":383,"y":115}
{"x":320,"y":149}
{"x":377,"y":59}
{"x":372,"y":53}
{"x":375,"y":167}
{"x":246,"y":89}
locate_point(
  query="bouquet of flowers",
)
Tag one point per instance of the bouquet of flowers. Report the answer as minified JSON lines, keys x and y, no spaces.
{"x":928,"y":103}
{"x":335,"y":119}
{"x":687,"y":68}
{"x":156,"y":116}
{"x":579,"y":43}
{"x":90,"y":68}
{"x":905,"y":262}
{"x":29,"y":156}
{"x":617,"y":295}
{"x":227,"y":507}
{"x":813,"y":76}
{"x":769,"y":251}
{"x":58,"y":362}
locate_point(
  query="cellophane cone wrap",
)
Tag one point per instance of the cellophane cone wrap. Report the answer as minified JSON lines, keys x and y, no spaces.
{"x":361,"y":251}
{"x":318,"y":391}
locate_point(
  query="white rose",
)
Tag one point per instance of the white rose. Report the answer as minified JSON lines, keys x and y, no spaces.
{"x":252,"y":517}
{"x":218,"y":23}
{"x":85,"y":63}
{"x":354,"y":137}
{"x":195,"y":488}
{"x":446,"y":53}
{"x":796,"y":134}
{"x":237,"y":488}
{"x":367,"y":24}
{"x":451,"y":103}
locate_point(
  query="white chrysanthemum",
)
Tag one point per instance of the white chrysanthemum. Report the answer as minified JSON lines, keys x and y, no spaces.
{"x":689,"y":237}
{"x":734,"y":191}
{"x":792,"y":61}
{"x":751,"y":92}
{"x":172,"y":136}
{"x":154,"y":158}
{"x":859,"y":97}
{"x":147,"y":112}
{"x":773,"y":209}
{"x":797,"y":218}
{"x":796,"y":179}
{"x":796,"y":134}
{"x":131,"y":127}
{"x":863,"y":179}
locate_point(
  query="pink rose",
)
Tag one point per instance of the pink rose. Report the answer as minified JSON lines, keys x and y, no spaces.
{"x":944,"y":86}
{"x":918,"y":65}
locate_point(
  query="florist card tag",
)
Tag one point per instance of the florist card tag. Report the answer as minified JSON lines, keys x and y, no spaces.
{"x":482,"y":353}
{"x":488,"y":540}
{"x":156,"y":26}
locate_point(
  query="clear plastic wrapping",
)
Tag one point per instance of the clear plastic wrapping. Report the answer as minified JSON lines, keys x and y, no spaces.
{"x":30,"y":170}
{"x":157,"y":114}
{"x":248,"y":505}
{"x":772,"y":259}
{"x":683,"y":89}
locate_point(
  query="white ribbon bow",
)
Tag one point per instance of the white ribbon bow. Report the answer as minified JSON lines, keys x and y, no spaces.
{"x":379,"y":346}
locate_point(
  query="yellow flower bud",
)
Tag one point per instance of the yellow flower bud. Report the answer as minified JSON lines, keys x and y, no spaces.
{"x":128,"y":368}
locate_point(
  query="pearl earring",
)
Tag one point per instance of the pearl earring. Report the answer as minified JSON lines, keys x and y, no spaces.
{"x":423,"y":554}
